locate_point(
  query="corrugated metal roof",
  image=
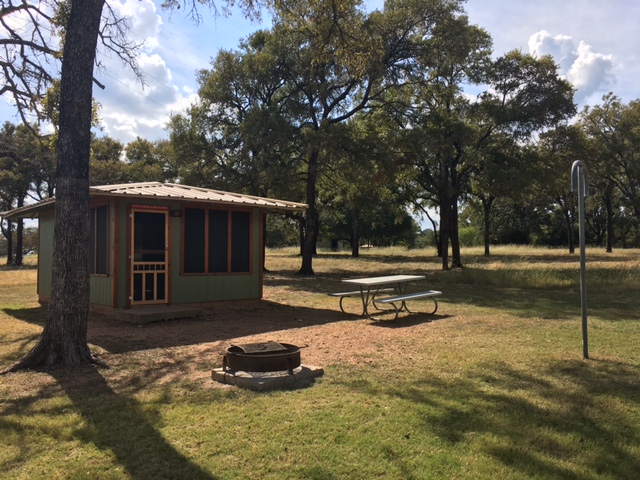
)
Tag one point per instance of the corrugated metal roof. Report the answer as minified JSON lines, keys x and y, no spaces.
{"x":158,"y":190}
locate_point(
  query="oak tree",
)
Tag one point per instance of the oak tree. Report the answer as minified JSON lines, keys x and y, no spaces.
{"x":27,"y":62}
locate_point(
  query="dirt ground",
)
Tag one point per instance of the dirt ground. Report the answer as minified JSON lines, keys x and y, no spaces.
{"x":188,"y":349}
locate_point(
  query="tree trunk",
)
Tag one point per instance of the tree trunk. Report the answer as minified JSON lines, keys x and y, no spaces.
{"x":486,"y":204}
{"x":436,"y":237}
{"x":9,"y":236}
{"x":312,"y":221}
{"x":355,"y":234}
{"x":64,"y":339}
{"x":570,"y":239}
{"x":445,"y":232}
{"x":19,"y":235}
{"x":301,"y":222}
{"x":456,"y":255}
{"x":610,"y":229}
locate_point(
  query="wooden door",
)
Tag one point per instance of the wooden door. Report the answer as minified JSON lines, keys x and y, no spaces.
{"x":149,"y":256}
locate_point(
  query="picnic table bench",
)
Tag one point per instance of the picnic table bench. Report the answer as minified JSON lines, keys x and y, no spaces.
{"x":355,"y":293}
{"x":402,"y":299}
{"x":372,"y":286}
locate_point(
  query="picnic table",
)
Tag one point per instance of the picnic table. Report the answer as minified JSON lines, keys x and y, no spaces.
{"x":396,"y":285}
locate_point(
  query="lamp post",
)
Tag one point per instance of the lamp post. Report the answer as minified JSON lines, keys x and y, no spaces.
{"x":580,"y":184}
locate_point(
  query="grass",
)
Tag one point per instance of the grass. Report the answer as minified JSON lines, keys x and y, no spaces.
{"x":495,"y":388}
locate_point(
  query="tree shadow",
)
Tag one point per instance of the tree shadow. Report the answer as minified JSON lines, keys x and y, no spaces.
{"x":545,"y":425}
{"x":34,"y":315}
{"x":216,"y":324}
{"x":118,"y":424}
{"x":9,"y":268}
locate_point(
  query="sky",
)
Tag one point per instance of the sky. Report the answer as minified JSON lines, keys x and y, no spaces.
{"x":594,"y":42}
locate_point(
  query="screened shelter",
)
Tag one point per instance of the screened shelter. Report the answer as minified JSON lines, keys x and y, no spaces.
{"x":165,"y":244}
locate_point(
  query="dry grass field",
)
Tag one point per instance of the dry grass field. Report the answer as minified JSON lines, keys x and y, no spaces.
{"x":493,"y":385}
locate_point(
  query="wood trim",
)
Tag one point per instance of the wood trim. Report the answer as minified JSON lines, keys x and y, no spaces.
{"x":92,"y":206}
{"x":168,"y":221}
{"x":115,"y":281}
{"x":129,"y":255}
{"x":38,"y":265}
{"x":207,"y":209}
{"x":159,"y":210}
{"x":261,"y":255}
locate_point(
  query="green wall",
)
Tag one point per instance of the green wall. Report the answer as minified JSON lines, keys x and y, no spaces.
{"x":185,"y":288}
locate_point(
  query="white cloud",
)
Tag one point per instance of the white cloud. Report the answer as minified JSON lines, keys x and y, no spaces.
{"x":144,"y":22}
{"x":560,"y":47}
{"x":590,"y":73}
{"x":132,"y":107}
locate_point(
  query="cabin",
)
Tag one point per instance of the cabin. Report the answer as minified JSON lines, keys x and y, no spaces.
{"x":165,"y":244}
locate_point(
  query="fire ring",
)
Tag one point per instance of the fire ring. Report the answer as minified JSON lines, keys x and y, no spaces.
{"x":262,"y":357}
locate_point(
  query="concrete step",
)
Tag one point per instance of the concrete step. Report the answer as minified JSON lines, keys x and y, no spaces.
{"x":155,"y":313}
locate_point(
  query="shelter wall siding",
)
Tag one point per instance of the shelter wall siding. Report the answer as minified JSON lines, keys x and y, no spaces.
{"x":100,"y":290}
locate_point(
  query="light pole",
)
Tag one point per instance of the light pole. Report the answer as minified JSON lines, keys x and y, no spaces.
{"x":580,"y":184}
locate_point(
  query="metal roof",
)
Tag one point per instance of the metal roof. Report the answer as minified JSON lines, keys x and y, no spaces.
{"x":169,"y":191}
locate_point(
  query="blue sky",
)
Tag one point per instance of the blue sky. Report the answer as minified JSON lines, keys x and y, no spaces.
{"x":595,"y":42}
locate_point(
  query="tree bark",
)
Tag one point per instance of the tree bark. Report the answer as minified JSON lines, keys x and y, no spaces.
{"x":19,"y":236}
{"x":312,"y":220}
{"x":456,"y":254}
{"x":610,"y":229}
{"x":486,"y":204}
{"x":64,"y":339}
{"x":8,"y":234}
{"x":355,"y":233}
{"x":570,"y":238}
{"x":445,"y":232}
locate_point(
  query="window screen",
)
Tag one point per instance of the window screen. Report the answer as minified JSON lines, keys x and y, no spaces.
{"x":224,"y":236}
{"x":98,"y":240}
{"x":240,"y":241}
{"x":218,"y":241}
{"x":194,"y":240}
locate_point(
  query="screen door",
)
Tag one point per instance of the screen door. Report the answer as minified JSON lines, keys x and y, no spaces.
{"x":149,"y":257}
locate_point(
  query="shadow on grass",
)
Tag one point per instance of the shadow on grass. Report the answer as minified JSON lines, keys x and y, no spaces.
{"x":215,"y":325}
{"x":568,"y":419}
{"x":34,"y":315}
{"x":407,"y":321}
{"x":118,"y":424}
{"x":10,"y":268}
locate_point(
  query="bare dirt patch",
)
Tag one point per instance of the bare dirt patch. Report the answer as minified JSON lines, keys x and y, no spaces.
{"x":188,"y":349}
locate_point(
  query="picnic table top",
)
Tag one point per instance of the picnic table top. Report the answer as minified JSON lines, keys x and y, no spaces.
{"x":369,"y":281}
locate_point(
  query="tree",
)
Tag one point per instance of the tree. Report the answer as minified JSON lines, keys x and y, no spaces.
{"x":322,"y":64}
{"x":436,"y":137}
{"x":558,"y":149}
{"x":145,"y":162}
{"x":64,"y":338}
{"x":106,"y":165}
{"x":22,"y":158}
{"x":450,"y":137}
{"x":613,"y":135}
{"x":504,"y":168}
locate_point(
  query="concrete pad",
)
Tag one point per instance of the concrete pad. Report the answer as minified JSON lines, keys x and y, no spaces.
{"x":302,"y":376}
{"x":155,"y":313}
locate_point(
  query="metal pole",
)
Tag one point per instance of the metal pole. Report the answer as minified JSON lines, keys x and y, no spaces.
{"x":579,"y":182}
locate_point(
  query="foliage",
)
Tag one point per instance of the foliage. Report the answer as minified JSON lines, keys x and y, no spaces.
{"x":284,"y":102}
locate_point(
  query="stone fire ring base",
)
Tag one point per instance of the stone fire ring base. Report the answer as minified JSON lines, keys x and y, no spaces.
{"x":302,"y":376}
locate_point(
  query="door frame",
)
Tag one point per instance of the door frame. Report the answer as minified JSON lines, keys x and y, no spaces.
{"x":135,"y":267}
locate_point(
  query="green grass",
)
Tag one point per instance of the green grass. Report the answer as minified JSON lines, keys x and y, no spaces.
{"x":495,"y":388}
